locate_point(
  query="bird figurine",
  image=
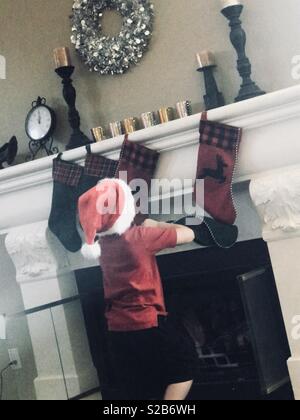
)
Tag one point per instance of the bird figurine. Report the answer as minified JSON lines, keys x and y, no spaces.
{"x":8,"y":152}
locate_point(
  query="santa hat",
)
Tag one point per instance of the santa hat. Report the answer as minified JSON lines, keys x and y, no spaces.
{"x":107,"y":209}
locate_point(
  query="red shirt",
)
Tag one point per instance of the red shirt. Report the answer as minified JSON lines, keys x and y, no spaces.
{"x":132,"y":284}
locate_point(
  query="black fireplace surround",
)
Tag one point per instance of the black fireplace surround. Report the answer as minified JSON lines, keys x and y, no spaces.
{"x":227,"y":301}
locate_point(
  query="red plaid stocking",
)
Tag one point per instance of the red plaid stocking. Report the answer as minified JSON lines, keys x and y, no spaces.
{"x":138,"y":162}
{"x":218,"y":153}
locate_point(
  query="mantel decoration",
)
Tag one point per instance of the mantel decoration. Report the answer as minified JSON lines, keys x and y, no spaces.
{"x":40,"y":125}
{"x":232,"y":10}
{"x":8,"y":152}
{"x":64,"y":69}
{"x":111,"y":55}
{"x":207,"y":63}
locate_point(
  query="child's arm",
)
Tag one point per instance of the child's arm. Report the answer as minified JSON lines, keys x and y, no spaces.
{"x":185,"y":235}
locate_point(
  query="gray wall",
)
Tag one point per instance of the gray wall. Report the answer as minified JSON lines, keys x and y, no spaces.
{"x":31,"y":29}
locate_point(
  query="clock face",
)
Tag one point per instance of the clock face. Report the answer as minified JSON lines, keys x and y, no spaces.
{"x":39,"y":123}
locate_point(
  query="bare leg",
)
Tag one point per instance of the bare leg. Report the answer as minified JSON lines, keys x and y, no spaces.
{"x":178,"y":392}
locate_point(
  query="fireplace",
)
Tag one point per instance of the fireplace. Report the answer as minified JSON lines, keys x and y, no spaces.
{"x":228,"y":303}
{"x":44,"y":271}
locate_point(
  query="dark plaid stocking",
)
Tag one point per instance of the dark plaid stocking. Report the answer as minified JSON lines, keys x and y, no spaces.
{"x":219,"y":145}
{"x":62,"y":221}
{"x":138,"y":162}
{"x":96,"y":168}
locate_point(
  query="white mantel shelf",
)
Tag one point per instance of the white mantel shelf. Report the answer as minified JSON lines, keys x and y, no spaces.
{"x":25,"y":190}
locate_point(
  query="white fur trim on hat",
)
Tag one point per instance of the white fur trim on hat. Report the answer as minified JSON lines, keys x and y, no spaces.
{"x":126,"y":219}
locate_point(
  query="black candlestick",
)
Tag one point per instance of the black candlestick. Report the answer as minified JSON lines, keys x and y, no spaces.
{"x":213,"y":98}
{"x":249,"y":89}
{"x":78,"y":139}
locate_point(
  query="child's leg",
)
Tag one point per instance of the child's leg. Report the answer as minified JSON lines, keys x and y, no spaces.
{"x":178,"y":392}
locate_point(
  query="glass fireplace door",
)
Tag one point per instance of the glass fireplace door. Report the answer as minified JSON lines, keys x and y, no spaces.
{"x":266,"y":326}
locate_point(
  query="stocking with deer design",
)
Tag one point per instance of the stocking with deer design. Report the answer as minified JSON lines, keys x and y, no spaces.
{"x":218,"y":152}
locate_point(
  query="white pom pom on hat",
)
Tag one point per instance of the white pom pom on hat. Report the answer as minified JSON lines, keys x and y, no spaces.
{"x":91,"y":252}
{"x":97,"y":221}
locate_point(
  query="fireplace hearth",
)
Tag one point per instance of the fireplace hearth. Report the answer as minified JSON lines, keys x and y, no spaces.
{"x":228,"y":303}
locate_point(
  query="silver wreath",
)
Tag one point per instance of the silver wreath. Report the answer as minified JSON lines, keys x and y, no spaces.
{"x":112,"y":55}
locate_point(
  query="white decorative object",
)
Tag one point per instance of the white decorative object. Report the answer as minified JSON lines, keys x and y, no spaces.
{"x":35,"y":252}
{"x":111,"y":55}
{"x":277,"y":197}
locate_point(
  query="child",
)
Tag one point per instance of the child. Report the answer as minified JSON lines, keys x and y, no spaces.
{"x":149,"y":351}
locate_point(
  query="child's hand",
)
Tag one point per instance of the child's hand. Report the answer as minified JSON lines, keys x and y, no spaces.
{"x":185,"y":235}
{"x":150,"y":223}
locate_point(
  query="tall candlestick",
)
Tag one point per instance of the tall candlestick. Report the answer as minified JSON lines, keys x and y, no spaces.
{"x":248,"y":89}
{"x":62,"y":57}
{"x":77,"y":139}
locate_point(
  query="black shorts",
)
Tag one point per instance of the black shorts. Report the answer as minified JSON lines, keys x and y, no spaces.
{"x":146,"y":362}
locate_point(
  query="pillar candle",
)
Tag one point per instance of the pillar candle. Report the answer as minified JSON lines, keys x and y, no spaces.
{"x":62,"y":57}
{"x":206,"y":59}
{"x":229,"y":3}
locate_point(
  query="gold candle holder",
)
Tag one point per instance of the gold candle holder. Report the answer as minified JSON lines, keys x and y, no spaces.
{"x":62,"y":57}
{"x":149,"y":119}
{"x":116,"y":129}
{"x":98,"y":134}
{"x":166,"y":115}
{"x":184,"y":108}
{"x":130,"y":125}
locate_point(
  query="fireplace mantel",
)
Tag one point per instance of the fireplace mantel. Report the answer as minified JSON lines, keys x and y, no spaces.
{"x":271,"y":125}
{"x":269,"y":159}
